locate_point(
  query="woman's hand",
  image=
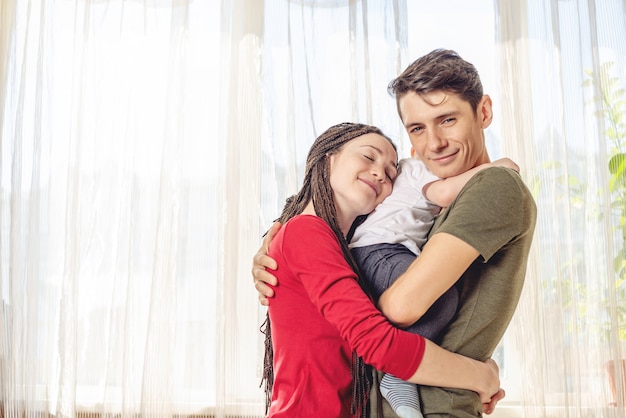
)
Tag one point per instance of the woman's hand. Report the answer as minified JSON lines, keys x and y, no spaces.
{"x":489,"y":407}
{"x":491,"y":392}
{"x":260,"y":262}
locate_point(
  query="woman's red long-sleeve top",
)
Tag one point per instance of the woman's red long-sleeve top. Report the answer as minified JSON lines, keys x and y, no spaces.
{"x":319,"y":315}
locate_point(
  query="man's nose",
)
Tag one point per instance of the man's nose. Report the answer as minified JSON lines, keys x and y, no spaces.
{"x":435,"y":140}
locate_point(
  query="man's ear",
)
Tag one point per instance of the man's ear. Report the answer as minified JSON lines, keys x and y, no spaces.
{"x":485,"y":111}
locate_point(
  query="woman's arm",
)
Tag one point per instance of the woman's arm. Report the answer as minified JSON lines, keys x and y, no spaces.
{"x":438,"y":366}
{"x":442,"y":368}
{"x":317,"y":266}
{"x":411,"y":295}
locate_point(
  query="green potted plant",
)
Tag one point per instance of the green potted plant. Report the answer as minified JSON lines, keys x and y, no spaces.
{"x":613,"y":101}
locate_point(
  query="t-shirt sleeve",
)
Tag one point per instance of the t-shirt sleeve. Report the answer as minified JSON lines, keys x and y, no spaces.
{"x":487,"y":214}
{"x":313,"y":253}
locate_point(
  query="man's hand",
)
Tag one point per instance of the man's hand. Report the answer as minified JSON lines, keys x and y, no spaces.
{"x":260,"y":262}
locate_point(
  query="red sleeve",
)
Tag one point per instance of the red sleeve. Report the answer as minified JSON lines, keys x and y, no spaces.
{"x":313,"y":253}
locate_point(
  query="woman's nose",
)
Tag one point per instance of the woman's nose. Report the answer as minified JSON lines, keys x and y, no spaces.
{"x":379,"y":173}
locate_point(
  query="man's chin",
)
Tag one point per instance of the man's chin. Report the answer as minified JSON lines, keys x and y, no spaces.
{"x":448,"y":170}
{"x":444,"y":172}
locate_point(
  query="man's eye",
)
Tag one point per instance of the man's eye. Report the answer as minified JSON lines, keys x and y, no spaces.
{"x":368,"y":157}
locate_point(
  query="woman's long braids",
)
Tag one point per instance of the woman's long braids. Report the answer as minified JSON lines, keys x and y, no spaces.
{"x":316,"y":187}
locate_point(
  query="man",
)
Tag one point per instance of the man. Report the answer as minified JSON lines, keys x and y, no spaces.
{"x":479,"y":244}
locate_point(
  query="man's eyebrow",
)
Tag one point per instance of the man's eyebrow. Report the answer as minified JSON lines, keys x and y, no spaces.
{"x":442,"y":116}
{"x":446,"y":115}
{"x":412,"y":124}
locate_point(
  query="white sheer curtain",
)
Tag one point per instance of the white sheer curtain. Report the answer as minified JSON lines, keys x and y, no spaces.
{"x":563,"y":81}
{"x":145,"y":146}
{"x":125,"y":284}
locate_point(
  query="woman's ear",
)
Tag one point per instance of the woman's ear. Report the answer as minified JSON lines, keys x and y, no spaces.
{"x":330,"y":157}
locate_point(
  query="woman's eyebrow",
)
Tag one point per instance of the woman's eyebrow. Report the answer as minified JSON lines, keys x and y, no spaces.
{"x":374,"y":147}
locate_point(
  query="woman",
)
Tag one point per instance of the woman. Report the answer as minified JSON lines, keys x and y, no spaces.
{"x":322,"y":325}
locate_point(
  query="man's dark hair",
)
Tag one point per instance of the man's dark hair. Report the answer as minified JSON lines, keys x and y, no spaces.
{"x":441,"y":69}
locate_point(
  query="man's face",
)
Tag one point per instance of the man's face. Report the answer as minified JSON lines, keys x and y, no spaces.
{"x":445,"y":132}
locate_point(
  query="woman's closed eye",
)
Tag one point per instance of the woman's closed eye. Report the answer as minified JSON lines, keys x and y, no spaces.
{"x":389,"y":173}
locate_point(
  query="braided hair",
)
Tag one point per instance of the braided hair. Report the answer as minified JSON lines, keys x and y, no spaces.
{"x":316,"y":187}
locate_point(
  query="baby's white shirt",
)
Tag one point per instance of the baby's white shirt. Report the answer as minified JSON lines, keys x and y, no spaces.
{"x":405,"y":216}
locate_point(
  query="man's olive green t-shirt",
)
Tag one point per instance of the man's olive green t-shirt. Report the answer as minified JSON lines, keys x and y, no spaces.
{"x":495,"y":213}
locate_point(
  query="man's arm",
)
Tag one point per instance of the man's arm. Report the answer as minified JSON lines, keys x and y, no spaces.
{"x":430,"y":275}
{"x":432,"y":369}
{"x":443,"y":192}
{"x":260,"y":262}
{"x":443,"y":260}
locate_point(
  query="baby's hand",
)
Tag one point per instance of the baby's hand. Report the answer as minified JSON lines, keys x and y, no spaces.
{"x":505,"y":162}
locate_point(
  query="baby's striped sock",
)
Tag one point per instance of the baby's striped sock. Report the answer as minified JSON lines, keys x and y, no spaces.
{"x":402,"y":396}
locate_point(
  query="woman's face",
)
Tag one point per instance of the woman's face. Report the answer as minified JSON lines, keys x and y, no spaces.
{"x":361,"y":175}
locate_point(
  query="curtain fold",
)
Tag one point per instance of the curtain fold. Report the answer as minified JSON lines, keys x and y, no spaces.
{"x":562,"y":80}
{"x":146,"y":146}
{"x":238,"y":375}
